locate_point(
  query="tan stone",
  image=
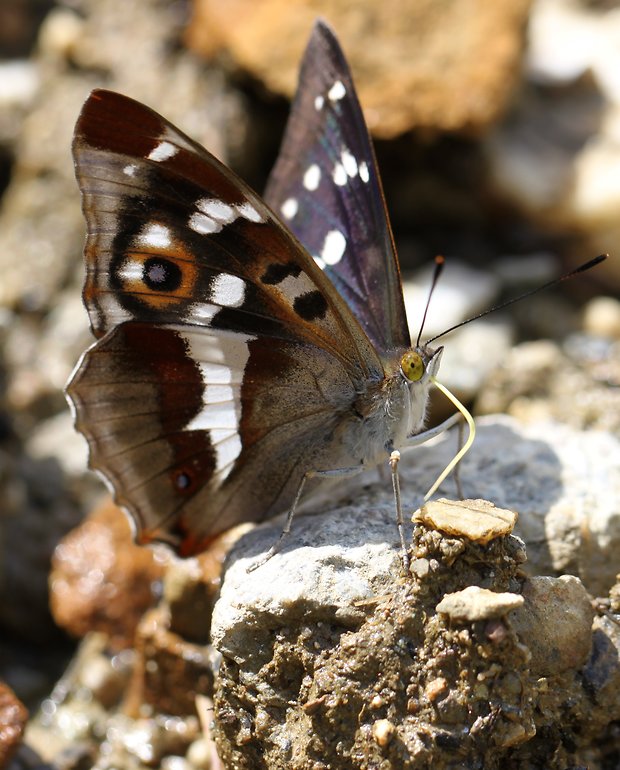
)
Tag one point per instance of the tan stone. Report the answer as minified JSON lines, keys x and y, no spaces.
{"x":477,"y":520}
{"x":417,"y":63}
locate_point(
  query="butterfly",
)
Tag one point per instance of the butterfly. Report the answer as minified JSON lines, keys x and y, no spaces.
{"x":246,"y":347}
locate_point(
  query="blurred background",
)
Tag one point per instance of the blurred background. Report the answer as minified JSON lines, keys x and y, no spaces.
{"x":497,"y":131}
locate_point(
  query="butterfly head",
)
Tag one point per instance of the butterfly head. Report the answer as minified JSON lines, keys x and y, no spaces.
{"x":420,"y":363}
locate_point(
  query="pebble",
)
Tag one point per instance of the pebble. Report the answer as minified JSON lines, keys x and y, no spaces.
{"x":601,"y":317}
{"x":474,"y":603}
{"x":477,"y":520}
{"x":383,"y":731}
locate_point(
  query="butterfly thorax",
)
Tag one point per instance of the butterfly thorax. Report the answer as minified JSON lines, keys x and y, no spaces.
{"x":395,"y":408}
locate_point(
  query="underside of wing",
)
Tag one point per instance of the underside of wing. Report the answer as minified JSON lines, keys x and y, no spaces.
{"x":175,"y":237}
{"x":206,"y":431}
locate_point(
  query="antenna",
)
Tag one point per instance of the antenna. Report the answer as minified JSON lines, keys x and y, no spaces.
{"x":439,"y":264}
{"x":581,"y":269}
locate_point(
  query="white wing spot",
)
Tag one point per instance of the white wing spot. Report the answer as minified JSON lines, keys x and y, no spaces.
{"x":227,"y":445}
{"x":247,"y":211}
{"x":289,"y":208}
{"x":222,"y":360}
{"x":203,"y":225}
{"x":337,"y":91}
{"x":163,"y":151}
{"x":312,"y":177}
{"x":217,"y":209}
{"x":318,"y":103}
{"x":131,"y":270}
{"x":363,"y":169}
{"x":203,"y":313}
{"x":227,"y":290}
{"x":339,"y":175}
{"x":156,"y":236}
{"x":130,"y":169}
{"x":349,"y":163}
{"x":334,"y":247}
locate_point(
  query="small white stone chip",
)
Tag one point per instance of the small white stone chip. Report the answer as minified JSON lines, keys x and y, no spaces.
{"x":474,"y":603}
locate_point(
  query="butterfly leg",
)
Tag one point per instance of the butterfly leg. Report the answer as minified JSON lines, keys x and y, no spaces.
{"x":394,"y":460}
{"x":331,"y":474}
{"x":421,"y":438}
{"x":413,"y":441}
{"x":457,"y":469}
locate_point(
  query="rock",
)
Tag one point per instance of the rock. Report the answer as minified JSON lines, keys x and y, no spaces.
{"x":346,"y":564}
{"x":556,"y":156}
{"x":474,"y":603}
{"x":170,"y":671}
{"x":563,"y":482}
{"x":442,"y":87}
{"x":601,"y":317}
{"x":101,"y":580}
{"x":13,"y":717}
{"x":191,"y":586}
{"x":601,"y":671}
{"x":538,"y":381}
{"x":555,"y":622}
{"x":305,"y":675}
{"x":476,"y":520}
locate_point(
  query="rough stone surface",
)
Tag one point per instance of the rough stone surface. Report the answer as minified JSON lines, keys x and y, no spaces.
{"x":476,"y":520}
{"x":345,"y":562}
{"x":302,"y":680}
{"x":474,"y":603}
{"x":393,"y":681}
{"x":409,"y":71}
{"x":577,"y":385}
{"x":556,"y":620}
{"x":170,"y":671}
{"x":565,"y":484}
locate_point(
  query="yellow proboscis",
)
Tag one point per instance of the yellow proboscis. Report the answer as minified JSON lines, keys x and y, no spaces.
{"x":466,"y":446}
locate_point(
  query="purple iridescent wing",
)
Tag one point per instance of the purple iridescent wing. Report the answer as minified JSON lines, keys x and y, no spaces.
{"x":326,"y":187}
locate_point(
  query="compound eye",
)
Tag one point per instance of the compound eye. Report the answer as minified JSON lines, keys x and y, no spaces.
{"x":412,"y":366}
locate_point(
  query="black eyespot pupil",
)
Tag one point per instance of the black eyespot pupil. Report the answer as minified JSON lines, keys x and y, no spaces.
{"x":161,"y":274}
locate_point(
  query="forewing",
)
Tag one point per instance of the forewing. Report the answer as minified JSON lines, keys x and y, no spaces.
{"x":326,"y":187}
{"x":225,"y":358}
{"x":175,"y":237}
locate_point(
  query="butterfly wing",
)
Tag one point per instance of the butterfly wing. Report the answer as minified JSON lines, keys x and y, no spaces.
{"x":222,"y":347}
{"x":326,"y":187}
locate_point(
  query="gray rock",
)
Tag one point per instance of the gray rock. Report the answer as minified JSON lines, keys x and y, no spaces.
{"x":555,"y":622}
{"x":564,"y":483}
{"x":330,"y":563}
